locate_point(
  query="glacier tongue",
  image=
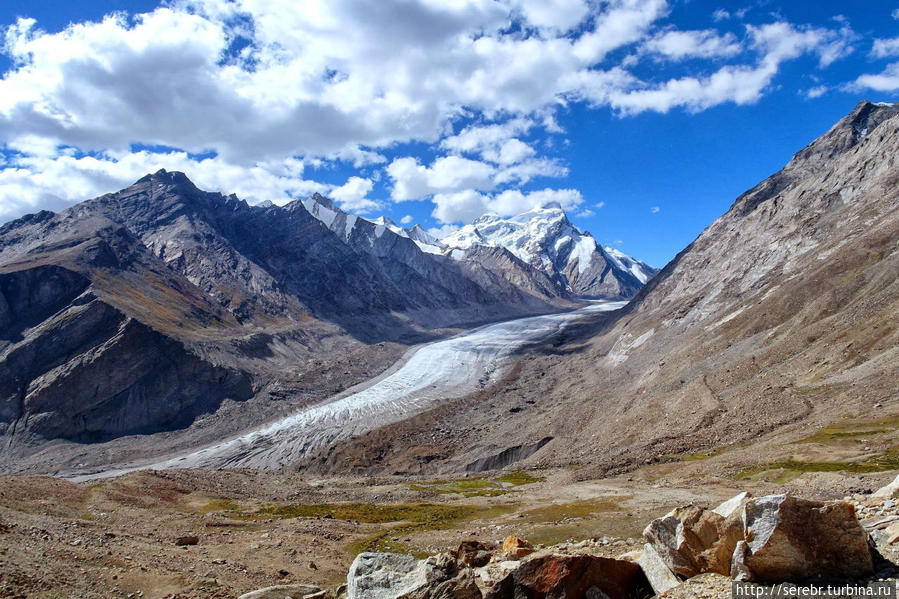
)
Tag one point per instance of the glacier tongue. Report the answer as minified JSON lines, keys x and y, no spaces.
{"x":433,"y":373}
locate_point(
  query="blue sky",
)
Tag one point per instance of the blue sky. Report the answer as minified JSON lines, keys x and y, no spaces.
{"x":644,"y":119}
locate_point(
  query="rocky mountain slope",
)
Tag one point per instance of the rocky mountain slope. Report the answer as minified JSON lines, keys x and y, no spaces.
{"x":149,"y":309}
{"x":778,"y":320}
{"x":414,"y":261}
{"x":545,"y":239}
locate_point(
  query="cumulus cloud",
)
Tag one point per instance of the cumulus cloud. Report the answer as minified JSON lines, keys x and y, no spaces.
{"x":883,"y":48}
{"x":466,"y":205}
{"x":740,"y":84}
{"x":413,"y":181}
{"x":655,"y":209}
{"x":678,"y":45}
{"x":56,"y":180}
{"x":885,"y":81}
{"x":242,"y":93}
{"x":352,"y":195}
{"x":407,"y":220}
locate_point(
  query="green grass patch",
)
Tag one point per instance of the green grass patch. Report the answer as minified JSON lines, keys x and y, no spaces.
{"x":848,"y":430}
{"x":698,"y":456}
{"x":519,"y":477}
{"x":578,"y":509}
{"x":423,"y":517}
{"x":480,"y":486}
{"x":369,"y":513}
{"x":786,"y":470}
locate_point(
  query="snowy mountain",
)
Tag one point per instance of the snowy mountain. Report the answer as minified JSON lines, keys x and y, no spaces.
{"x":544,"y":238}
{"x":417,"y":264}
{"x":344,"y":224}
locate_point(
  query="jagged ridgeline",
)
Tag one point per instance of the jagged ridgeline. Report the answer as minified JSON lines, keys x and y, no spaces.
{"x":143,"y":310}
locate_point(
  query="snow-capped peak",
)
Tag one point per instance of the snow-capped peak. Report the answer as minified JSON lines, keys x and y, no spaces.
{"x":639,"y":269}
{"x":544,"y":238}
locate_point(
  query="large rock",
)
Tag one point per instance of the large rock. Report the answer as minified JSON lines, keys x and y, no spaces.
{"x":691,"y":540}
{"x":397,"y":576}
{"x":791,"y":539}
{"x":887,"y":491}
{"x":474,"y":553}
{"x":657,"y":572}
{"x":516,"y":547}
{"x":573,"y":577}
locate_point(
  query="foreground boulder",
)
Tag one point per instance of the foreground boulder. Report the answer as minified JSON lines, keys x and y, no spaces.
{"x":394,"y":576}
{"x":657,"y":572}
{"x":517,"y":548}
{"x":691,"y":540}
{"x":791,"y":539}
{"x":474,"y":553}
{"x":573,"y":577}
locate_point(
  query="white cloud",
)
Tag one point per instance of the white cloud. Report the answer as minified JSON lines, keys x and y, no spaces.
{"x":655,"y":209}
{"x":883,"y":48}
{"x":512,"y":151}
{"x":557,"y":15}
{"x":740,"y":84}
{"x":678,"y":45}
{"x":817,"y":91}
{"x":895,"y":14}
{"x":466,"y":205}
{"x":352,"y":195}
{"x":585,"y":213}
{"x":59,"y":180}
{"x":886,"y":81}
{"x":442,"y":231}
{"x":625,"y":22}
{"x":724,"y":15}
{"x":600,"y":204}
{"x":341,"y":80}
{"x":448,"y":174}
{"x":407,"y":220}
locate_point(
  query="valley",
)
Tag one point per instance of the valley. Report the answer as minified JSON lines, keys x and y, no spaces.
{"x":428,"y":376}
{"x":565,"y":395}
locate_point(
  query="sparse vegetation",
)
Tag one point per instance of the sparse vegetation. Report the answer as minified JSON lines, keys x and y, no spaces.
{"x":577,"y":509}
{"x":785,"y":470}
{"x":853,"y":430}
{"x":480,"y":486}
{"x":423,"y":517}
{"x":220,"y":505}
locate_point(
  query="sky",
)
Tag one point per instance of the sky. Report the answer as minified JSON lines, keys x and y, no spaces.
{"x":644,"y":119}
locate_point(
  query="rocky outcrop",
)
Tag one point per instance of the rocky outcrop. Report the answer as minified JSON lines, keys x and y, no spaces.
{"x":474,"y":553}
{"x":573,"y":577}
{"x":657,"y":572}
{"x":791,"y":539}
{"x":394,"y":576}
{"x":691,"y":540}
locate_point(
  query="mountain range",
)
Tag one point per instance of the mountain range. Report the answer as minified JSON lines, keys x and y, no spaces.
{"x":149,"y":309}
{"x":166,"y":308}
{"x":777,"y":321}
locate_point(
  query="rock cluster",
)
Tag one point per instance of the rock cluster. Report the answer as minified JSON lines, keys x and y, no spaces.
{"x":778,"y":538}
{"x":772,"y":539}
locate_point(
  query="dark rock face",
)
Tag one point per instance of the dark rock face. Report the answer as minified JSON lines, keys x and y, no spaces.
{"x":573,"y":577}
{"x":490,"y":279}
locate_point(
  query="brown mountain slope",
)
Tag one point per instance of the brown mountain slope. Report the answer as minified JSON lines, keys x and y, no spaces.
{"x":780,"y":318}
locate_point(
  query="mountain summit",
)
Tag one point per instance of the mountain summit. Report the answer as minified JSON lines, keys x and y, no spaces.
{"x":544,"y":238}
